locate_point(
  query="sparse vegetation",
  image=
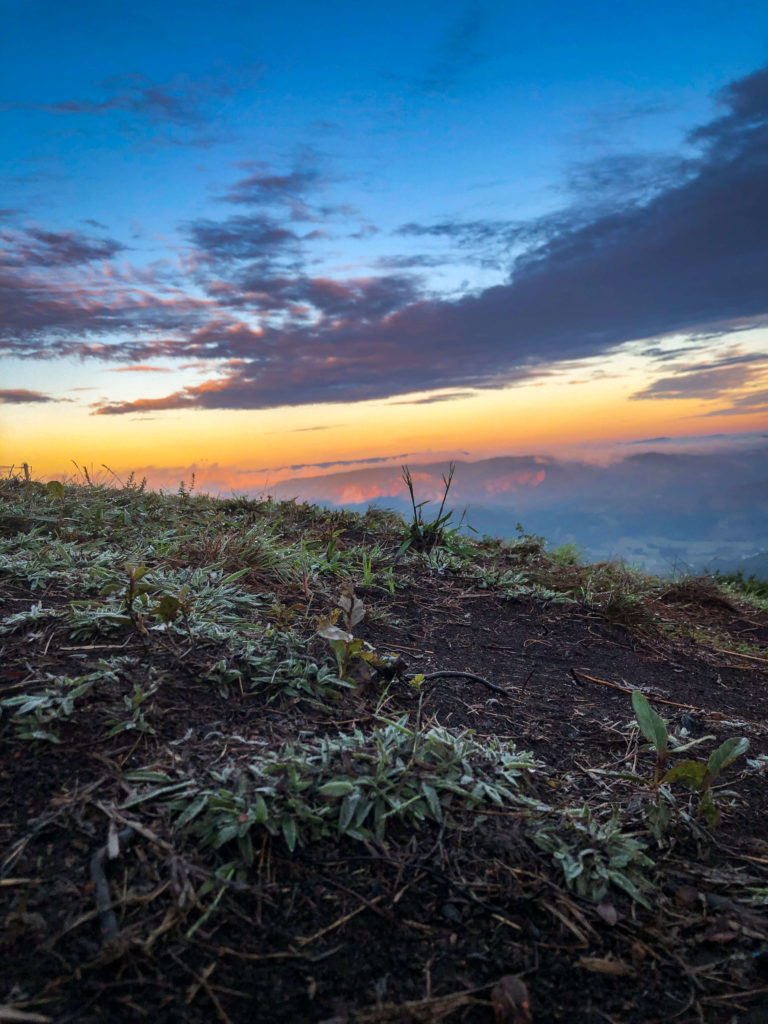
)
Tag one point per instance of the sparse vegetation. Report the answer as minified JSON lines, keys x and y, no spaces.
{"x":292,"y":726}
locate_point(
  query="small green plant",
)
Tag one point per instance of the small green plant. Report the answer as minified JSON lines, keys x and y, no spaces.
{"x":367,"y":567}
{"x":357,"y":785}
{"x":593,"y":856}
{"x":750,"y":587}
{"x":698,"y":776}
{"x":567,"y":554}
{"x":345,"y":646}
{"x":134,"y":590}
{"x":424,"y":536}
{"x":133,"y":703}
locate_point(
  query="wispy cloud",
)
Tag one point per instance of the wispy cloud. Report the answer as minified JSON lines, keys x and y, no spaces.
{"x":187,"y":105}
{"x":265,"y":187}
{"x":456,"y":54}
{"x":451,"y":396}
{"x":744,"y":405}
{"x":708,"y":381}
{"x":140,"y":368}
{"x":35,"y":247}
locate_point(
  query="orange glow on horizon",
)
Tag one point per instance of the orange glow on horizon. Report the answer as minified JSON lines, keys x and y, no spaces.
{"x":235,"y":449}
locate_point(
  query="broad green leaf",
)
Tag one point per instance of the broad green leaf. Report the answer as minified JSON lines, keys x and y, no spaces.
{"x":727,"y":752}
{"x":234,"y":576}
{"x":289,"y":833}
{"x":175,"y":787}
{"x":39,"y":734}
{"x":147,"y":775}
{"x":225,"y":834}
{"x":692,"y":773}
{"x":709,"y":809}
{"x":651,"y":725}
{"x":336,"y":788}
{"x":260,"y":810}
{"x":55,"y":488}
{"x":245,"y":846}
{"x":691,"y":743}
{"x":335,"y":633}
{"x":167,"y":607}
{"x":347,"y":810}
{"x":432,"y":800}
{"x":192,"y":810}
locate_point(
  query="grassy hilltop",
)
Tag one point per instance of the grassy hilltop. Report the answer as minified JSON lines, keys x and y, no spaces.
{"x":261,"y":761}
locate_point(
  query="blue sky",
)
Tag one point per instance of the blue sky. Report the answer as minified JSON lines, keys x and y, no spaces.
{"x":239,"y":208}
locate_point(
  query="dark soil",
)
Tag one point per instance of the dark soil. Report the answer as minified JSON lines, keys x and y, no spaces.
{"x":423,"y":928}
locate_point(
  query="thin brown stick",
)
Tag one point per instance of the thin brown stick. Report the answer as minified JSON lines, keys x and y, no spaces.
{"x":305,"y":940}
{"x":623,"y":689}
{"x":738,"y":654}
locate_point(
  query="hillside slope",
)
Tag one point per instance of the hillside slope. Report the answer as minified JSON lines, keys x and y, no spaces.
{"x":264,"y":762}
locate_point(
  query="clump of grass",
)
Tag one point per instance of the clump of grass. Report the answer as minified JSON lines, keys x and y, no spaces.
{"x":357,"y":785}
{"x":426,"y":535}
{"x":751,"y":588}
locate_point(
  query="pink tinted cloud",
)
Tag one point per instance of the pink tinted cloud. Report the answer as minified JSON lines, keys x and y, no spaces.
{"x":140,"y":368}
{"x":356,"y":494}
{"x":513,"y":482}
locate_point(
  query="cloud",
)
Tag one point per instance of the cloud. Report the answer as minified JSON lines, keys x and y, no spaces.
{"x":44,"y":318}
{"x":264,"y":187}
{"x":180,"y":100}
{"x":257,"y":237}
{"x":364,"y":298}
{"x":140,"y":368}
{"x":731,"y":440}
{"x":745,"y":405}
{"x":709,"y":382}
{"x":457,"y":54}
{"x":410,"y":262}
{"x":451,"y":396}
{"x":687,"y":258}
{"x":36,"y":247}
{"x":20,"y":396}
{"x":175,"y":111}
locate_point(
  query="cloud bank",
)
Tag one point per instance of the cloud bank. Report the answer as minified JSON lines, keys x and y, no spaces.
{"x":686,"y":255}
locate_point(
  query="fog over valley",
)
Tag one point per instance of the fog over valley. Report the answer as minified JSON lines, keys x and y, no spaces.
{"x":663,"y":511}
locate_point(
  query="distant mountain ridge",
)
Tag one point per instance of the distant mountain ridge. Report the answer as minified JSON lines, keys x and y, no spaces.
{"x":660,"y":510}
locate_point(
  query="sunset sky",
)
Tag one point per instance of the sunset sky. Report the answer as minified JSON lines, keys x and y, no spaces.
{"x":282,"y":238}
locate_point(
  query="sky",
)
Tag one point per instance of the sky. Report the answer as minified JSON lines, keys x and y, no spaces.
{"x":259,"y":242}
